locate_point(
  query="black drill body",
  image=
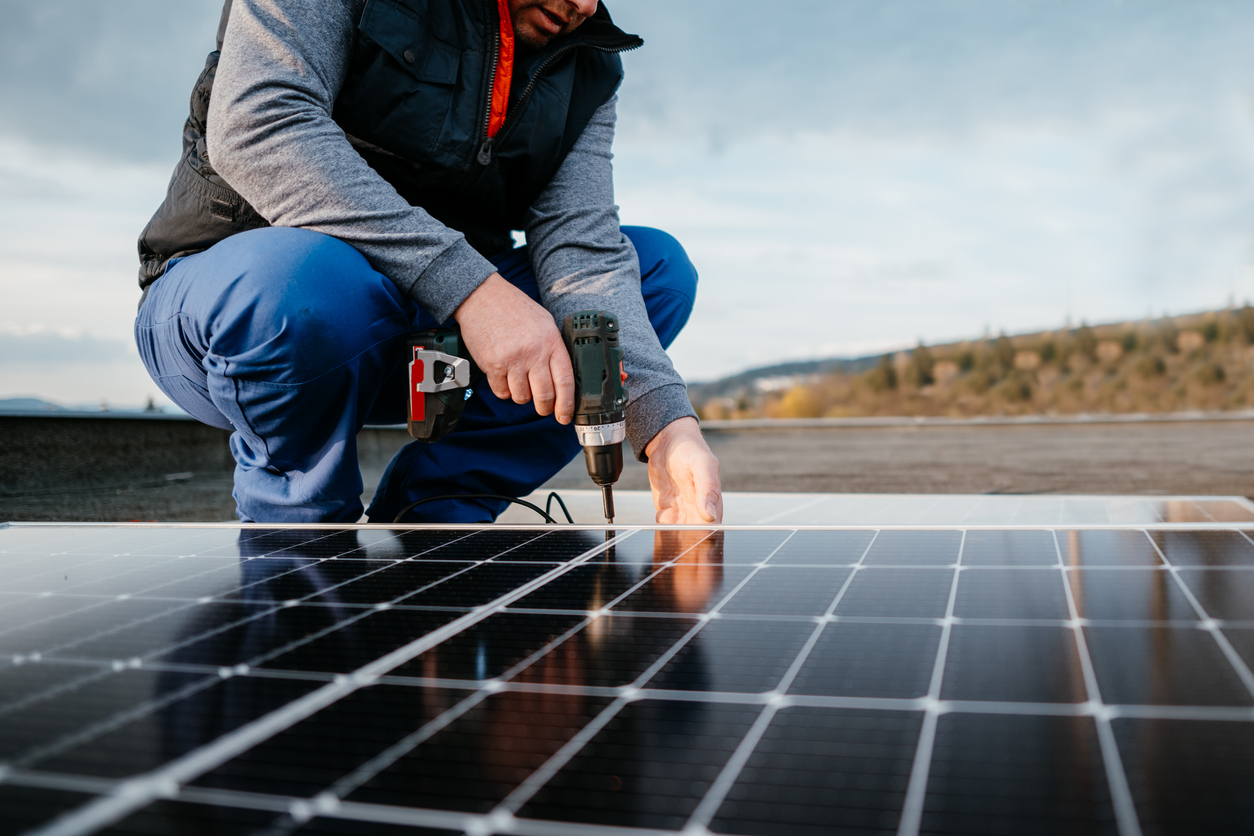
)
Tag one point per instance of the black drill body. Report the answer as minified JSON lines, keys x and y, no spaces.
{"x":596,"y":356}
{"x":441,"y":371}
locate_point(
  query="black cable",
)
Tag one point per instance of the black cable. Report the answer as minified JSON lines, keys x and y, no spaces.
{"x":549,"y":504}
{"x":411,"y":506}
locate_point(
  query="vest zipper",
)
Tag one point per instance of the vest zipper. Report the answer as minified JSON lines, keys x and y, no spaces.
{"x":485,"y":150}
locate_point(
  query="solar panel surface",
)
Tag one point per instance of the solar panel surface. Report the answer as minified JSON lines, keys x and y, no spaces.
{"x":339,"y":681}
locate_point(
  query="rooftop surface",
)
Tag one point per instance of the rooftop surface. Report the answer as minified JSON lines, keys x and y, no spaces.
{"x":120,"y":469}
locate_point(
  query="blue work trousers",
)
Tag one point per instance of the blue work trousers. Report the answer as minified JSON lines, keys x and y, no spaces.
{"x":291,"y":340}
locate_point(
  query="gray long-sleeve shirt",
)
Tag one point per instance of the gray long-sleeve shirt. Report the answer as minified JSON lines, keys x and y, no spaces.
{"x":271,"y":136}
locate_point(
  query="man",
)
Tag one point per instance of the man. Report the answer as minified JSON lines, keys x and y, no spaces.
{"x":352,"y":171}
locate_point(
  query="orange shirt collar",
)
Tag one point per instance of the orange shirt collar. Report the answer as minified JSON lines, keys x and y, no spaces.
{"x":504,"y":71}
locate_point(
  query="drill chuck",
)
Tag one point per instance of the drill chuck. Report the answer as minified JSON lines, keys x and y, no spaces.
{"x":601,"y":434}
{"x":605,"y":463}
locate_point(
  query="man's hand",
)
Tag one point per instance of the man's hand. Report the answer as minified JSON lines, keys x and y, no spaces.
{"x":683,"y":474}
{"x":518,"y":347}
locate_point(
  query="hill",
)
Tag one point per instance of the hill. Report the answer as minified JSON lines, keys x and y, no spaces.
{"x":1202,"y":361}
{"x":12,"y":405}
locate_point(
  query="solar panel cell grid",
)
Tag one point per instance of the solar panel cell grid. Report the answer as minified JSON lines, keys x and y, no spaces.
{"x":821,"y":771}
{"x":1032,"y":593}
{"x":1013,"y":663}
{"x":1189,"y":776}
{"x":915,"y":548}
{"x":1205,"y":548}
{"x":28,"y":807}
{"x":1157,"y":665}
{"x":891,"y":661}
{"x":1227,"y":595}
{"x":648,"y":766}
{"x":758,"y":681}
{"x":741,"y":656}
{"x":1009,"y":548}
{"x":994,"y":774}
{"x":897,"y":593}
{"x":824,"y":548}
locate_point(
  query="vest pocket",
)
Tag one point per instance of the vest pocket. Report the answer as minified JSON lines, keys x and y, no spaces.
{"x":196,"y":214}
{"x":404,"y":86}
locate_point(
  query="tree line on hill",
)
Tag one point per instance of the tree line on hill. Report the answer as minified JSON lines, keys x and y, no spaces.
{"x":1195,"y":362}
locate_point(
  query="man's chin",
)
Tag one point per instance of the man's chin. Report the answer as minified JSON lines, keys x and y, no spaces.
{"x":532,"y":39}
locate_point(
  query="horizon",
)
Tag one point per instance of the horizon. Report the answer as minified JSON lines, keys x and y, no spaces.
{"x":169,"y":408}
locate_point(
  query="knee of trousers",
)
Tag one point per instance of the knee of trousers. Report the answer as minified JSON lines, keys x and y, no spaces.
{"x":668,"y":280}
{"x":297,"y":305}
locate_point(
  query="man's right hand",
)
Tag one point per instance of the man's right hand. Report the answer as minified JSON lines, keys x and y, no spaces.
{"x":519,"y":348}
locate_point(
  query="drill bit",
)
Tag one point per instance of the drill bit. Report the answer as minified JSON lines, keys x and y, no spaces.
{"x":607,"y":495}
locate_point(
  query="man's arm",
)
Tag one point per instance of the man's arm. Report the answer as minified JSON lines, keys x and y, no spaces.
{"x":582,"y":260}
{"x":271,"y":136}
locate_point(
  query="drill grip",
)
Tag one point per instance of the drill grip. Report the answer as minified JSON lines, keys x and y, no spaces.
{"x":596,"y":357}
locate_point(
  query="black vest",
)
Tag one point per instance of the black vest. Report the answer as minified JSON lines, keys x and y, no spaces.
{"x":415,"y":105}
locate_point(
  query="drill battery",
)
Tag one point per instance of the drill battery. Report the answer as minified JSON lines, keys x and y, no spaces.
{"x":440,"y":375}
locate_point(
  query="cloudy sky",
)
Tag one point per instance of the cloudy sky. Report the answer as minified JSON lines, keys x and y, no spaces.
{"x":848,"y":176}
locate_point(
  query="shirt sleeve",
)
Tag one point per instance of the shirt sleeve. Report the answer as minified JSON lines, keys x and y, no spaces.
{"x":271,"y":136}
{"x":583,"y":261}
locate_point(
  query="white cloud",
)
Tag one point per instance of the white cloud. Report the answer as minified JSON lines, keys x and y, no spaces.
{"x":856,"y":241}
{"x":68,"y":226}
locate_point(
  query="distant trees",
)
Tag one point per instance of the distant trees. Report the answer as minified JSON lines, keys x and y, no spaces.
{"x":1202,"y":361}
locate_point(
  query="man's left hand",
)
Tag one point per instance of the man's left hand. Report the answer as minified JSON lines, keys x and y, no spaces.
{"x":684,"y":476}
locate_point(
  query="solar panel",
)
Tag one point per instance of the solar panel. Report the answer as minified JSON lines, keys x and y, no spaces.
{"x":219,"y":679}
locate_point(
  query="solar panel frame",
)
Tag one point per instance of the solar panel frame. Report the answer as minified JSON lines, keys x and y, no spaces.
{"x":1139,"y":552}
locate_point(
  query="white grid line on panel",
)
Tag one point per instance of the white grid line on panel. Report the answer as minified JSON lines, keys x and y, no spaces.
{"x":368,"y":770}
{"x":300,"y":811}
{"x":191,"y":602}
{"x":1246,"y":525}
{"x":119,"y":664}
{"x":140,"y":661}
{"x":512,"y":803}
{"x":1116,"y":778}
{"x":101,"y":672}
{"x":916,"y":789}
{"x":1104,"y":714}
{"x":225,"y":598}
{"x":698,"y":822}
{"x":501,"y":683}
{"x":112,"y":722}
{"x":87,"y":606}
{"x":56,"y":781}
{"x":400,"y":749}
{"x":186,"y":603}
{"x":1208,"y":624}
{"x":263,"y":658}
{"x":138,"y":792}
{"x":157,"y":703}
{"x":172,"y":559}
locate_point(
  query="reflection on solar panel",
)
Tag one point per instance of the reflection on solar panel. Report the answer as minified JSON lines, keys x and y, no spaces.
{"x":163,"y":680}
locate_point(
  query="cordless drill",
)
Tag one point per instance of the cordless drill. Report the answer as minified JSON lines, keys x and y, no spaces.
{"x":441,"y":372}
{"x":591,"y":337}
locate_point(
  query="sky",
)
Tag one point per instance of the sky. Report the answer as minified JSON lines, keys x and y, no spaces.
{"x":848,"y":177}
